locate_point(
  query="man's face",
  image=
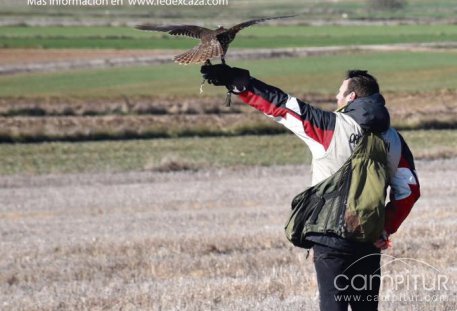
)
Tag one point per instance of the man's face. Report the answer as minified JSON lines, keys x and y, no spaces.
{"x":342,"y":98}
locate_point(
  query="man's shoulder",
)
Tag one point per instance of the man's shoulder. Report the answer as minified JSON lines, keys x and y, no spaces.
{"x":346,"y":125}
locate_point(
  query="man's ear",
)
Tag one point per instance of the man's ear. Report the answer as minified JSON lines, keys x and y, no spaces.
{"x":352,"y":96}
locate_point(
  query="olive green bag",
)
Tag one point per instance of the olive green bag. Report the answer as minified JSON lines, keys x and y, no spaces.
{"x":350,"y":203}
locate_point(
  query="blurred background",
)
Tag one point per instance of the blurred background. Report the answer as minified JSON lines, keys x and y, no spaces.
{"x":79,"y":74}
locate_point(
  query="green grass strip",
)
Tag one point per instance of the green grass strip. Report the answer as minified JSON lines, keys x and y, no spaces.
{"x":186,"y":153}
{"x":396,"y":71}
{"x":261,"y":36}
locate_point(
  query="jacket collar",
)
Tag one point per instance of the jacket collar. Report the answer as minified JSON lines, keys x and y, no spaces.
{"x":369,"y":112}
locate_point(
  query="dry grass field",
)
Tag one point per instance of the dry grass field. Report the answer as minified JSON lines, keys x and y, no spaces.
{"x":210,"y":239}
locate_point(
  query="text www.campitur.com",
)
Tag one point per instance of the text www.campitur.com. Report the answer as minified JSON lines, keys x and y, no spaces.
{"x":392,"y":297}
{"x":179,"y":2}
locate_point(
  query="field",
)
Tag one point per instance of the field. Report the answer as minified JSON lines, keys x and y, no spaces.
{"x":144,"y":102}
{"x":187,"y":153}
{"x":211,"y":239}
{"x":103,"y":37}
{"x":94,"y":82}
{"x":124,"y":188}
{"x":399,"y":71}
{"x":316,"y":12}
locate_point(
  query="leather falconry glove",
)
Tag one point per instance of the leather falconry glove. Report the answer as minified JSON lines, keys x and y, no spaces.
{"x":235,"y":79}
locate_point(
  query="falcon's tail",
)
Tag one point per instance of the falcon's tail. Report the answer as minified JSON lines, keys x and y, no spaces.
{"x":187,"y":57}
{"x":199,"y":54}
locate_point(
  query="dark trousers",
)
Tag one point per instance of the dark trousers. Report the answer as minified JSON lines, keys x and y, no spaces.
{"x":347,"y":278}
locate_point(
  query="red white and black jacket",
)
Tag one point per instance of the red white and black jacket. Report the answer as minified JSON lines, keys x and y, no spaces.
{"x":332,"y":136}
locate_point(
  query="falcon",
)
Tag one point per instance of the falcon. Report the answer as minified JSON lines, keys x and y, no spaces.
{"x":213,"y":43}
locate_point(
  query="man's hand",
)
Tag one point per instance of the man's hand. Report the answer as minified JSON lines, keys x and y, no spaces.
{"x":235,"y":79}
{"x":384,"y":242}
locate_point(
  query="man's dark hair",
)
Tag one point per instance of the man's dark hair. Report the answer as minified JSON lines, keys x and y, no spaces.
{"x":361,"y":83}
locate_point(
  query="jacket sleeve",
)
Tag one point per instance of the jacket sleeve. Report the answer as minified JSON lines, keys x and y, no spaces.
{"x":314,"y":126}
{"x":405,"y":190}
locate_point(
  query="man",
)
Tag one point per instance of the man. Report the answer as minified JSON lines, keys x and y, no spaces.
{"x":342,"y":265}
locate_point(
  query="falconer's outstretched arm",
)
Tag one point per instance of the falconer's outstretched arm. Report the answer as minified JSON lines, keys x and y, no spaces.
{"x":313,"y":125}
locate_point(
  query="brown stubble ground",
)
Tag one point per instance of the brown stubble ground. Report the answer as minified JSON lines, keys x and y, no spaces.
{"x":78,"y":119}
{"x":400,"y":104}
{"x":205,"y":240}
{"x":12,"y":57}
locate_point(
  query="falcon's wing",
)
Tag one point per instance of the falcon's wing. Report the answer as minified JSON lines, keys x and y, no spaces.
{"x":238,"y":27}
{"x":176,"y":30}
